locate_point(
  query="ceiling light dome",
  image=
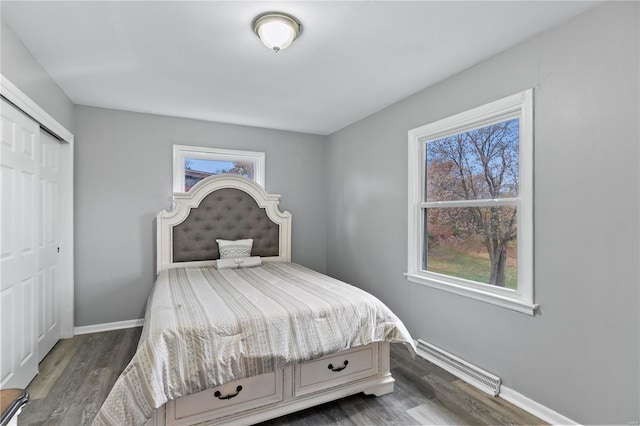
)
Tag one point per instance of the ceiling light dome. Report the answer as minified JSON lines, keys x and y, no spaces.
{"x":277,"y":30}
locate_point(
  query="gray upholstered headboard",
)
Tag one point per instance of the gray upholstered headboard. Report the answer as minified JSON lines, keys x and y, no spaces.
{"x":228,"y":214}
{"x":224,"y":207}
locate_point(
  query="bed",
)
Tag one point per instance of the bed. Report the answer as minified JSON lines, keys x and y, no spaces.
{"x":239,"y":344}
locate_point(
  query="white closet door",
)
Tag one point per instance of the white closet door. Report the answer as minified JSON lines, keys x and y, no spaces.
{"x":48,"y":282}
{"x":19,"y":171}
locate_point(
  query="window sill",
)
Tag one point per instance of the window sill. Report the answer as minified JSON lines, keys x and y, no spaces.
{"x":483,"y":296}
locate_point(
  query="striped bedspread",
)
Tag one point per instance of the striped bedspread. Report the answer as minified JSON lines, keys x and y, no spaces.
{"x":205,"y":327}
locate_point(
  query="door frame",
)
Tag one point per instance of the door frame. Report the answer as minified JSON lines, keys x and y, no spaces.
{"x":17,"y":97}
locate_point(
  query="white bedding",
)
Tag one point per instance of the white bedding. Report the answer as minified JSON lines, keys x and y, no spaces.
{"x":206,"y":327}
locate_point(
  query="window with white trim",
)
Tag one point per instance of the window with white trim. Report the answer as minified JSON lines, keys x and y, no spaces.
{"x":471,"y":203}
{"x":191,"y":164}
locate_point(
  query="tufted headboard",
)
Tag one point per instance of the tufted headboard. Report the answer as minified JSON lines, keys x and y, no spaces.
{"x":225,"y":207}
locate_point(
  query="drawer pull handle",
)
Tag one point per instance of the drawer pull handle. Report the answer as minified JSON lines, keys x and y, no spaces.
{"x":339,"y":368}
{"x":217,"y":394}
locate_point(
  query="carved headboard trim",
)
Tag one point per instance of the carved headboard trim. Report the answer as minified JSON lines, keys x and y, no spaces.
{"x":188,"y":203}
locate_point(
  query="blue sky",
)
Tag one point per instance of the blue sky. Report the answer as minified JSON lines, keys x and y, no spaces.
{"x":210,"y":166}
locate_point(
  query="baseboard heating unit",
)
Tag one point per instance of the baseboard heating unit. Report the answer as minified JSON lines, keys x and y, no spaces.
{"x":468,"y":372}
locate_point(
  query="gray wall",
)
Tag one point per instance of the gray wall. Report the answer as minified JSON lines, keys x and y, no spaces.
{"x":580,"y":354}
{"x":124,"y":178}
{"x":21,"y":68}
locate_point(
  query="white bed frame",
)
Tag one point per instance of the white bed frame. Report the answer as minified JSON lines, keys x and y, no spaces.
{"x":296,"y":387}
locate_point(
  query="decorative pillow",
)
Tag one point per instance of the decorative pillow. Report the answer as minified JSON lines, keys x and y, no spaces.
{"x":231,"y":249}
{"x":238,"y":262}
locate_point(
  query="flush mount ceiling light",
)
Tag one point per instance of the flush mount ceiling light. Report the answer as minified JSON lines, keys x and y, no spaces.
{"x":277,"y":30}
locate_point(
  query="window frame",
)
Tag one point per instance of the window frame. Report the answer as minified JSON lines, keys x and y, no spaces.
{"x":519,"y":105}
{"x":182,"y":152}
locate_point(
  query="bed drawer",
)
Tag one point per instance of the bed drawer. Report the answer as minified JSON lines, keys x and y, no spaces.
{"x":227,"y":399}
{"x":336,"y":369}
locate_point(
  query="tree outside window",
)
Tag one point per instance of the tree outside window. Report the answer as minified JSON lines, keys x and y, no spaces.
{"x":191,"y":164}
{"x":476,"y":243}
{"x":197,"y":169}
{"x":470,"y":215}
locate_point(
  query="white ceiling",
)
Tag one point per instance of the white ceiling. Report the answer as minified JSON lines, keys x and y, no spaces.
{"x":201,"y":59}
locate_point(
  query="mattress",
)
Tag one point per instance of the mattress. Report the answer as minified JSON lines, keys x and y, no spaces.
{"x":205,"y":327}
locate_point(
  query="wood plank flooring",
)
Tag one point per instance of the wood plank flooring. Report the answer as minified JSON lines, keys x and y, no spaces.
{"x":78,"y":373}
{"x":76,"y":376}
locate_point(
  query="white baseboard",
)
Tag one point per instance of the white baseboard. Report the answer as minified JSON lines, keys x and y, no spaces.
{"x":535,"y":408}
{"x":96,"y":328}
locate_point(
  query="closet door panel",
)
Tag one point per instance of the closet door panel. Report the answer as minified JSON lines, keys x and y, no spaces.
{"x":19,"y":252}
{"x":48,"y":243}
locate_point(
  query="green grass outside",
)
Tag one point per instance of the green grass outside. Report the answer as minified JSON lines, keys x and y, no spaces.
{"x":471,"y":264}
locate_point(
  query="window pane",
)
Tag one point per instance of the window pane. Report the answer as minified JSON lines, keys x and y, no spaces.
{"x":479,"y":164}
{"x":474,"y":243}
{"x":196,"y":169}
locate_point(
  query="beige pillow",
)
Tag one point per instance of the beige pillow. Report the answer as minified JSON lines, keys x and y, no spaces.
{"x":238,"y":262}
{"x":232,"y":249}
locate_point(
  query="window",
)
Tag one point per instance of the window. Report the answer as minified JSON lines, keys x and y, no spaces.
{"x":191,"y":164}
{"x":471,"y":203}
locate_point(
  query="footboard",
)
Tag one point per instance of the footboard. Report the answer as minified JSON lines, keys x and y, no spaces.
{"x":244,"y":402}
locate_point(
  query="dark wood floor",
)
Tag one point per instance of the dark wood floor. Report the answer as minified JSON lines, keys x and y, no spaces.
{"x":78,"y":373}
{"x":76,"y":376}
